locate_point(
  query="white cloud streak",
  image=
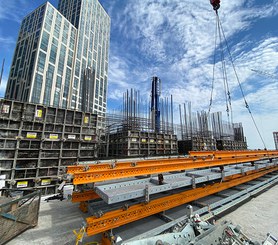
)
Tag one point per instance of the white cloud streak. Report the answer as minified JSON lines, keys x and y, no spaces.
{"x":12,"y":10}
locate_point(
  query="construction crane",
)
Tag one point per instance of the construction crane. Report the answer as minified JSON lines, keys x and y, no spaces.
{"x":215,"y":4}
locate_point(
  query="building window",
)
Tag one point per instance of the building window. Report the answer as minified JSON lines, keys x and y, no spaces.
{"x":67,"y":83}
{"x":77,"y":68}
{"x":53,"y":54}
{"x":70,"y":58}
{"x":62,"y":60}
{"x":45,"y":40}
{"x":57,"y":93}
{"x":75,"y":85}
{"x":48,"y":85}
{"x":64,"y":104}
{"x":47,"y":24}
{"x":41,"y":61}
{"x":37,"y":88}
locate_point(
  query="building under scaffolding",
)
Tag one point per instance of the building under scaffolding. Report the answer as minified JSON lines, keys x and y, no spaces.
{"x":139,"y":143}
{"x":204,"y":131}
{"x":135,"y":136}
{"x":128,"y":133}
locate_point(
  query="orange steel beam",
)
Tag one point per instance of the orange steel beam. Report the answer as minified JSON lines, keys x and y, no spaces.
{"x":117,"y":218}
{"x":217,"y":154}
{"x":108,"y":166}
{"x":235,"y":176}
{"x":205,"y":155}
{"x":84,"y":196}
{"x":97,"y":176}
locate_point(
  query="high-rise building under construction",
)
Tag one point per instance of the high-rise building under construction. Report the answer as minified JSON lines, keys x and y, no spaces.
{"x":275,"y":136}
{"x":61,"y":57}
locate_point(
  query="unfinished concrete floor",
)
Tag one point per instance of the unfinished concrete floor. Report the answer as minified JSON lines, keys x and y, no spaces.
{"x":259,"y":216}
{"x":58,"y":218}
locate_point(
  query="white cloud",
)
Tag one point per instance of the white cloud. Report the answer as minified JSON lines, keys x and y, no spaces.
{"x":7,"y":41}
{"x":12,"y":10}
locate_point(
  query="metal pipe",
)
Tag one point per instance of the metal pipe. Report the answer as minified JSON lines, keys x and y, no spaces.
{"x":172,"y":117}
{"x":185,"y":121}
{"x":181,"y":122}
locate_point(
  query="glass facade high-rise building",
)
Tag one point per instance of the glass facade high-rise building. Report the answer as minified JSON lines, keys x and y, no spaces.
{"x":61,"y":57}
{"x":275,"y":136}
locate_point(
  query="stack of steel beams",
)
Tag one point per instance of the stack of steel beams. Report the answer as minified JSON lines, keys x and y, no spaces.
{"x":133,"y":189}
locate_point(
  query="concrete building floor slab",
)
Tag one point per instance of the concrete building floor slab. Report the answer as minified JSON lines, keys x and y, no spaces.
{"x":57,"y":219}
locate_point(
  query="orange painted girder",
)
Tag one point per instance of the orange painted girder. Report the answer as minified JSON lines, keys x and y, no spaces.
{"x":205,"y":155}
{"x":84,"y":196}
{"x":106,"y":166}
{"x":97,"y":176}
{"x":217,"y":154}
{"x":117,"y":218}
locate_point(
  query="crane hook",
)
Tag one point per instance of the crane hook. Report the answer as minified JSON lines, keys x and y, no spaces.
{"x":215,"y":4}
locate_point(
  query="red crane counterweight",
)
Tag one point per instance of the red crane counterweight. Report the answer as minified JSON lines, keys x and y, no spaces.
{"x":215,"y":4}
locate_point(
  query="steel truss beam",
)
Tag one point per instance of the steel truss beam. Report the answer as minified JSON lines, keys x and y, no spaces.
{"x":121,"y":165}
{"x":117,"y":218}
{"x":118,"y":173}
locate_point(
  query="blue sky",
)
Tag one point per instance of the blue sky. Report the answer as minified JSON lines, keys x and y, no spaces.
{"x":175,"y":41}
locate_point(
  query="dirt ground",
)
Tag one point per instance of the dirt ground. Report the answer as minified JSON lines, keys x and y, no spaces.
{"x":259,"y":216}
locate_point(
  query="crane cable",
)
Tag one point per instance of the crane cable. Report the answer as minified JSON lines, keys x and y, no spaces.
{"x":213,"y":69}
{"x":220,"y":29}
{"x":224,"y":74}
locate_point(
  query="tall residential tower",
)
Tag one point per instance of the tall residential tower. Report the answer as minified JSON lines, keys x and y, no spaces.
{"x":275,"y":136}
{"x":61,"y":57}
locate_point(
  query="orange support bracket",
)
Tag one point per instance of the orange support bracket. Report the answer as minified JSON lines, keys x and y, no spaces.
{"x":84,"y":196}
